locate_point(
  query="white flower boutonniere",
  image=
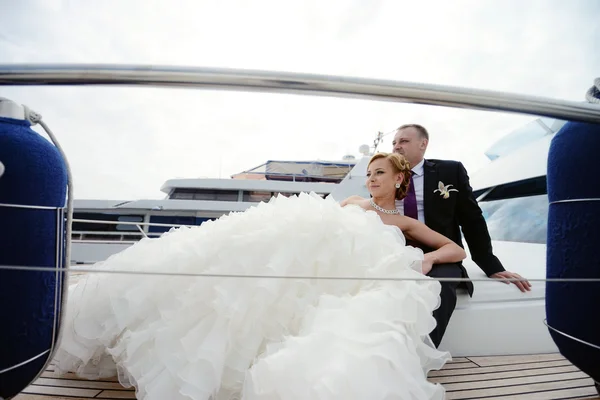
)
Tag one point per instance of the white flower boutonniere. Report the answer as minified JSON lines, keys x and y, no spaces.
{"x":444,"y":190}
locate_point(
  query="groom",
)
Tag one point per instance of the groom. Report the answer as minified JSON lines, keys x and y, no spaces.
{"x":441,"y":197}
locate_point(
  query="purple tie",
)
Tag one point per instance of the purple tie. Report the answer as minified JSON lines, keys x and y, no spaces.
{"x":410,"y":201}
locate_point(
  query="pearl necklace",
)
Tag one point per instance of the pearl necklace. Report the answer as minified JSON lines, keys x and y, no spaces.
{"x":383,"y":210}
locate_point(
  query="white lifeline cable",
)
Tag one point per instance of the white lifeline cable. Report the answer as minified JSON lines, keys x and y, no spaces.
{"x":595,"y":346}
{"x":304,"y":277}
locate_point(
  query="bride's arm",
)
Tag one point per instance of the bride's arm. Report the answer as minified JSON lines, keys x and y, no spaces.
{"x":351,"y":200}
{"x":446,"y":250}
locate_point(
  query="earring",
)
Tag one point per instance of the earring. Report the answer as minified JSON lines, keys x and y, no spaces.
{"x":397,"y":186}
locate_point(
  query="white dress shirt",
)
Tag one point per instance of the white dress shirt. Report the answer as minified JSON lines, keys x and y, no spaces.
{"x":418,"y":181}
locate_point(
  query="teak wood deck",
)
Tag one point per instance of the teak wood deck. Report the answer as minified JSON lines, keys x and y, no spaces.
{"x":528,"y":377}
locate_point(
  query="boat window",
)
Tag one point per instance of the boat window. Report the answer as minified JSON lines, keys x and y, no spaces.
{"x":200,"y":220}
{"x":183,"y":194}
{"x":205,"y":194}
{"x":522,"y":219}
{"x":104,"y":227}
{"x":256,"y":196}
{"x":527,"y":187}
{"x":217,"y":195}
{"x":129,"y":218}
{"x":286,"y":194}
{"x":170,"y":220}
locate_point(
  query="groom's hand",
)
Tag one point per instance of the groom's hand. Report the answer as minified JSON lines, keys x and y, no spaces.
{"x":523,"y":284}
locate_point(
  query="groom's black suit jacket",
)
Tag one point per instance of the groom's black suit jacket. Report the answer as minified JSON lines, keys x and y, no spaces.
{"x":459,"y":210}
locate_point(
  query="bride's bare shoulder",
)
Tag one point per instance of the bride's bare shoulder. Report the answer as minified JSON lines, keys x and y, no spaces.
{"x":358,"y":200}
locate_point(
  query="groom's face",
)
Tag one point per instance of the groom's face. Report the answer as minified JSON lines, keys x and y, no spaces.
{"x":410,"y":144}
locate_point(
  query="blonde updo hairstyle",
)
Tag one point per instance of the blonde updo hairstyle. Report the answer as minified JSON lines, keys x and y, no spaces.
{"x":400,"y":166}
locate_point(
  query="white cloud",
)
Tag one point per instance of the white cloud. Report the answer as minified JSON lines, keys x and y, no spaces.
{"x":125,"y":142}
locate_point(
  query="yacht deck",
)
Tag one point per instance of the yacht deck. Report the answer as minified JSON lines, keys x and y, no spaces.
{"x":527,"y":377}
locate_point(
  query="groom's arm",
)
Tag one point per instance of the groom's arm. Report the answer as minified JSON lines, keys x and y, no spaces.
{"x":474,"y":226}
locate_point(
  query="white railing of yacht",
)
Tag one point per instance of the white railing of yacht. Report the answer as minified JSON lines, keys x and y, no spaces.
{"x":120,"y":236}
{"x":110,"y":237}
{"x":138,"y":224}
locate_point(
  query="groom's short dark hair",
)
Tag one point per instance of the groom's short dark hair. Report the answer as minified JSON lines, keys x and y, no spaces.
{"x":421,"y":129}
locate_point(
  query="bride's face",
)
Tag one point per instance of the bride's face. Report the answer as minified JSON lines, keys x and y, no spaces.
{"x":381,"y":178}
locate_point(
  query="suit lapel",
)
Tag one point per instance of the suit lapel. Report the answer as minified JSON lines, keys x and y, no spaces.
{"x":430,"y":180}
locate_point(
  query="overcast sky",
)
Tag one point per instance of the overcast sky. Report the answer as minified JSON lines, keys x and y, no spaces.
{"x":123,"y":143}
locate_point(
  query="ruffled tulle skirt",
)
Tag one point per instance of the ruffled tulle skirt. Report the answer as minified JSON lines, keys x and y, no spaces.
{"x":281,"y":328}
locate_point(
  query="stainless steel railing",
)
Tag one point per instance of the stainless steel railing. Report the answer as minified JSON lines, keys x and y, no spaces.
{"x":296,"y":83}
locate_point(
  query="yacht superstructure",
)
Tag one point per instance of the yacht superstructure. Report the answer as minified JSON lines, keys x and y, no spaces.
{"x":104,"y":227}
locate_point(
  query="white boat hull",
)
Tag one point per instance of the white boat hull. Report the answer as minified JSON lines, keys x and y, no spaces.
{"x":499,"y":319}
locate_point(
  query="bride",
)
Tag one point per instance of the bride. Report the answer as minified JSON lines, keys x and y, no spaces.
{"x":327,"y":302}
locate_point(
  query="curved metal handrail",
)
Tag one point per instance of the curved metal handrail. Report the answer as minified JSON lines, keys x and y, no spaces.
{"x":295,"y":83}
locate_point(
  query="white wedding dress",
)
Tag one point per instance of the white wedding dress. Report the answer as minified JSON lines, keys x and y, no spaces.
{"x":199,"y":337}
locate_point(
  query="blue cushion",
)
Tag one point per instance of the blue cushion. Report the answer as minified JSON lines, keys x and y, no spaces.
{"x":35,"y":174}
{"x":573,"y":243}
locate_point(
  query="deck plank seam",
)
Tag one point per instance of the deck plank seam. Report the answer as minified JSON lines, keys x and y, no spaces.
{"x":468,"y":358}
{"x":77,"y":396}
{"x":454,"y":367}
{"x":521,"y":363}
{"x":77,"y":378}
{"x":123,"y":389}
{"x":521,"y":384}
{"x":491,"y":372}
{"x":585,"y":397}
{"x":501,"y":379}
